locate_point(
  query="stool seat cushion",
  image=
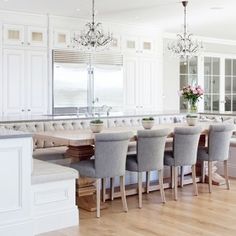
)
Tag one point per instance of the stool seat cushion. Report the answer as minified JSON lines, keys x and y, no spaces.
{"x":86,"y":168}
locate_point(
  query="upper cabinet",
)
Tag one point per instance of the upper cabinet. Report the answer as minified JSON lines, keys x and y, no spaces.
{"x":24,"y":36}
{"x":62,"y":39}
{"x":138,"y":45}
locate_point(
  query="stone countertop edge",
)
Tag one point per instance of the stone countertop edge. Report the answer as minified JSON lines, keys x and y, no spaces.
{"x":10,"y":134}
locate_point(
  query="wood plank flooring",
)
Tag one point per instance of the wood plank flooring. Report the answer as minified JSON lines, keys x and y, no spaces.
{"x":206,"y":215}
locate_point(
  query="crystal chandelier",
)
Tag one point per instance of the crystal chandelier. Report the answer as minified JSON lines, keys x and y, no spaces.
{"x":92,"y":38}
{"x":185,"y":47}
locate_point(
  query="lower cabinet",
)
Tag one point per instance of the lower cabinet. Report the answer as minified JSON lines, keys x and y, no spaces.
{"x":24,"y":82}
{"x":141,"y":82}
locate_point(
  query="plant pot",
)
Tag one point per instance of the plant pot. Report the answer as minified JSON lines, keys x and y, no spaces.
{"x":96,"y":128}
{"x":148,"y":124}
{"x":192,"y":121}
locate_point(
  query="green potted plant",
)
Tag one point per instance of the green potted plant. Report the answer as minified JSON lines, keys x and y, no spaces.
{"x":191,"y":119}
{"x":96,"y":125}
{"x":148,"y":122}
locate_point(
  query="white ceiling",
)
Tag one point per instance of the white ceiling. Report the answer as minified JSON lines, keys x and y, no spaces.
{"x":164,"y":14}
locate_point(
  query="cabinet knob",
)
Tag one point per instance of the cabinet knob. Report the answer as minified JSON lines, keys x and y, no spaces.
{"x":28,"y":110}
{"x":28,"y":43}
{"x":68,"y":46}
{"x":22,"y":43}
{"x":22,"y":110}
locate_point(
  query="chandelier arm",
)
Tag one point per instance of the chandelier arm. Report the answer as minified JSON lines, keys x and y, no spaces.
{"x":93,"y":12}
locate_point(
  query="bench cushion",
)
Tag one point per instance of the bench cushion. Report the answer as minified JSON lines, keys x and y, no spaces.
{"x":44,"y":172}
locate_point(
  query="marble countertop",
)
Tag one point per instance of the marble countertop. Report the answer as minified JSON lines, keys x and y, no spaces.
{"x":8,"y":134}
{"x":12,"y":119}
{"x":131,"y":113}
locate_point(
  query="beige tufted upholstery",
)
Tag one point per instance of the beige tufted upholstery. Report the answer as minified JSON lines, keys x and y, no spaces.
{"x":125,"y":122}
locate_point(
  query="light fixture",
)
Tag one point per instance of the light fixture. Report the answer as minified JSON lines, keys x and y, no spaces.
{"x":92,"y":38}
{"x":185,"y":46}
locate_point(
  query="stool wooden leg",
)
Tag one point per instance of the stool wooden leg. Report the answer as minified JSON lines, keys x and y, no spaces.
{"x":181,"y":176}
{"x":112,"y":188}
{"x":176,"y":182}
{"x":172,"y":171}
{"x":194,"y":180}
{"x":98,"y":195}
{"x":160,"y":177}
{"x":226,"y":174}
{"x":210,"y":175}
{"x":147,"y":180}
{"x":123,"y":195}
{"x":140,"y":187}
{"x":104,"y":189}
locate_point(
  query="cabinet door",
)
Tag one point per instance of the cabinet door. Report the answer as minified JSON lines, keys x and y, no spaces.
{"x":37,"y":36}
{"x":146,"y":45}
{"x":13,"y":82}
{"x":130,"y":44}
{"x":62,"y":39}
{"x":37,"y":86}
{"x":130,"y":81}
{"x":145,"y":83}
{"x":116,"y":43}
{"x":13,"y":35}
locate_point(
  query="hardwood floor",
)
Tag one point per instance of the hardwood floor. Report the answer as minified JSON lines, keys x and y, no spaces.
{"x":206,"y":214}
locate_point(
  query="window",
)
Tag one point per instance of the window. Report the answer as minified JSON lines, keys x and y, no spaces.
{"x":230,"y":84}
{"x":211,"y":83}
{"x":188,"y":76}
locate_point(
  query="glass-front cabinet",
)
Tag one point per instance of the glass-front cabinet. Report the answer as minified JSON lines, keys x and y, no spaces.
{"x":216,"y":73}
{"x":188,"y":76}
{"x":211,"y":83}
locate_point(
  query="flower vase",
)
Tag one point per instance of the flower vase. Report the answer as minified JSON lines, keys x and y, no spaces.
{"x":192,"y":107}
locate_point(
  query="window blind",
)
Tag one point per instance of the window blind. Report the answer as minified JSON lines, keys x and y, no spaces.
{"x":77,"y":57}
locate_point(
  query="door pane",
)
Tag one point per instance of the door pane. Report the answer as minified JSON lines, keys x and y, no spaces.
{"x":234,"y":84}
{"x":207,"y":66}
{"x":216,"y":66}
{"x":227,"y":102}
{"x":234,"y":67}
{"x":216,"y":103}
{"x":207,"y":84}
{"x":207,"y":102}
{"x":183,"y":81}
{"x":234,"y":103}
{"x":216,"y":84}
{"x":193,"y":66}
{"x":228,"y":84}
{"x":183,"y":68}
{"x":228,"y":67}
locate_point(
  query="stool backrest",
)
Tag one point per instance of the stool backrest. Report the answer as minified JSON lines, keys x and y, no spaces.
{"x":219,"y":141}
{"x":110,"y":153}
{"x":150,"y":149}
{"x":186,"y":141}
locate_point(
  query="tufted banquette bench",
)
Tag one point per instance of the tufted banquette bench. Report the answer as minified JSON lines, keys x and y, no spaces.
{"x":54,"y":152}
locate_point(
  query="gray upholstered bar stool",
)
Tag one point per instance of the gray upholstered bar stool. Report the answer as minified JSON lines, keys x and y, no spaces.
{"x":110,"y":158}
{"x":184,"y":153}
{"x":149,"y":157}
{"x":218,"y":150}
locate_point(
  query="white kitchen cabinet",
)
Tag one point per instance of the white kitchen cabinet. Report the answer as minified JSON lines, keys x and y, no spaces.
{"x":36,"y":74}
{"x":61,"y":38}
{"x":24,"y":82}
{"x":13,"y":82}
{"x":138,"y":45}
{"x":140,"y":75}
{"x":24,"y":36}
{"x":13,"y":35}
{"x":37,"y":36}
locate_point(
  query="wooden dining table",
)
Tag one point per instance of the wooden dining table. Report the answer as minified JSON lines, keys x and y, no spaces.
{"x":81,"y":147}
